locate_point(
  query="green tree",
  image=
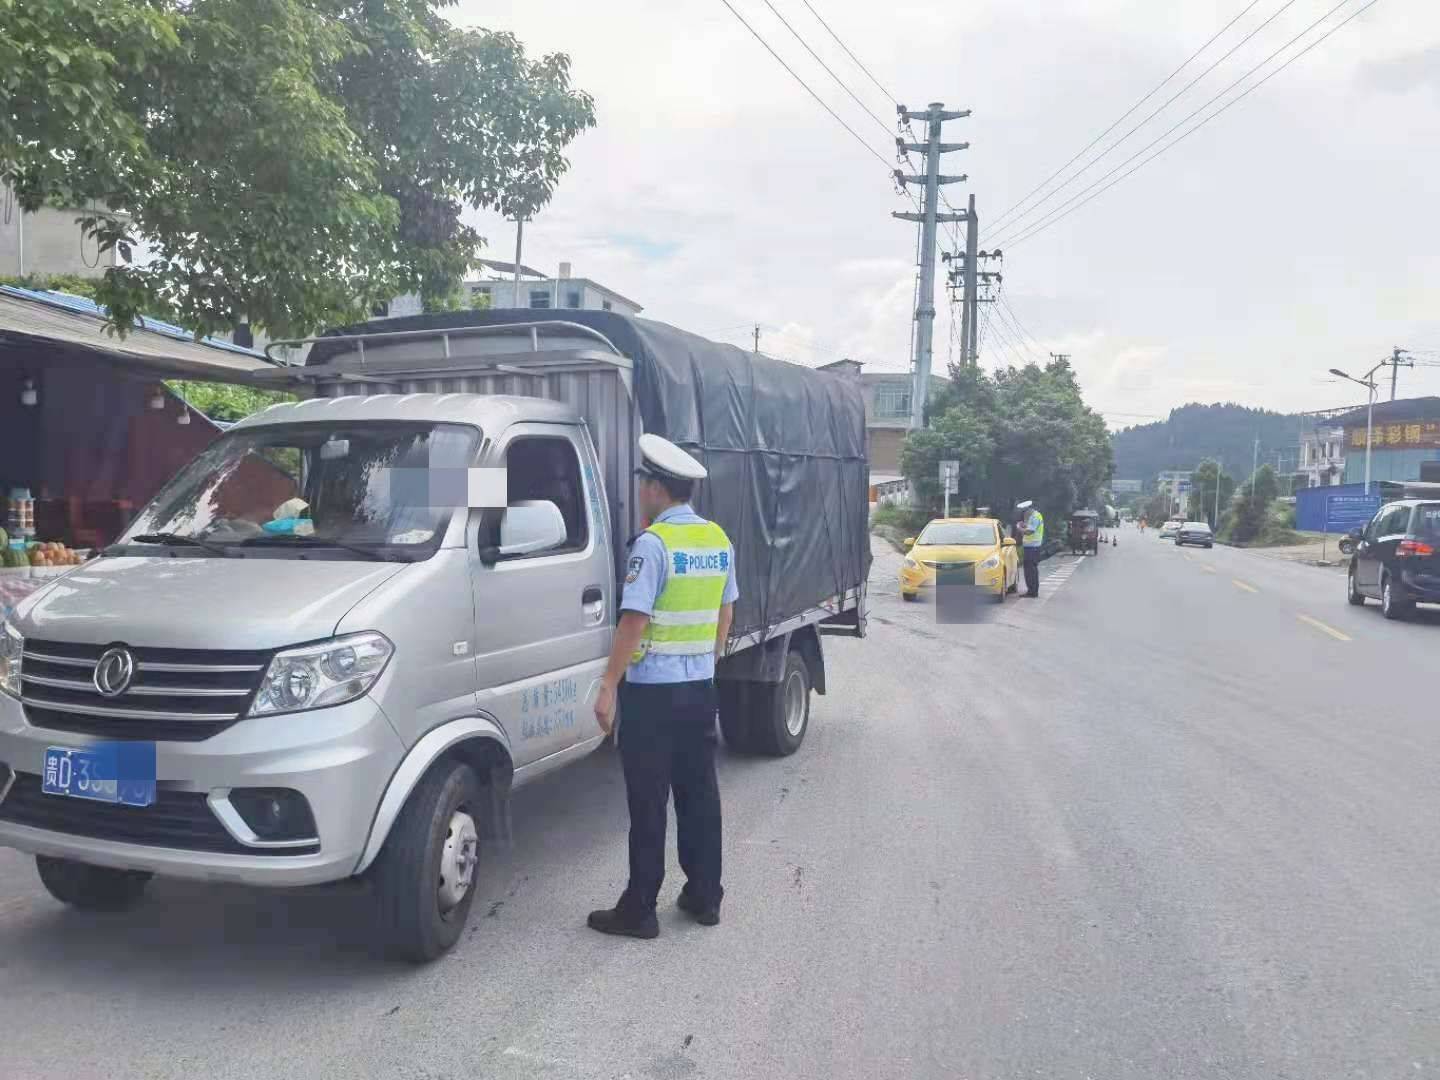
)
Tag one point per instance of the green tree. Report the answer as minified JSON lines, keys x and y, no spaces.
{"x":222,"y":401}
{"x":1252,"y":508}
{"x":287,"y":163}
{"x":1022,"y":433}
{"x":1201,"y":504}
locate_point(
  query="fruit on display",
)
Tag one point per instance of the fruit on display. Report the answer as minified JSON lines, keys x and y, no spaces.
{"x":13,"y":557}
{"x":53,"y":553}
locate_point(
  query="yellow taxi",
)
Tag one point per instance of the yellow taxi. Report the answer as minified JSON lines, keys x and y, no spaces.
{"x":960,"y":544}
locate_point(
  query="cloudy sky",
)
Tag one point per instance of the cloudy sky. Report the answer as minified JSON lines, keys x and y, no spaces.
{"x":1298,"y":231}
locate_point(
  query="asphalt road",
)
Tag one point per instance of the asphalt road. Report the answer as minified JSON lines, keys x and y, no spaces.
{"x":1175,"y":819}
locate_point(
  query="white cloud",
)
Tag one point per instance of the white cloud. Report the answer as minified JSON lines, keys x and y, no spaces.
{"x":1293,"y":234}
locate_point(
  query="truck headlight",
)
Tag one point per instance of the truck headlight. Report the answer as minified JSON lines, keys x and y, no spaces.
{"x":12,"y":646}
{"x":991,"y":563}
{"x":327,"y":673}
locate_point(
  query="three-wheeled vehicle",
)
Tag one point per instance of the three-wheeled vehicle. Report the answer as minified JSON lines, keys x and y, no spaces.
{"x":1084,"y":532}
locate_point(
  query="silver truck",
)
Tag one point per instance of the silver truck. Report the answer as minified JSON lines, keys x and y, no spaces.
{"x":339,"y":638}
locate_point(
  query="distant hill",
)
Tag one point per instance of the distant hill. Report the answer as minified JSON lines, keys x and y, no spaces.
{"x":1196,"y":431}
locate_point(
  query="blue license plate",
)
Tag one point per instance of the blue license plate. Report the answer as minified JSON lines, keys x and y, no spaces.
{"x":113,"y":772}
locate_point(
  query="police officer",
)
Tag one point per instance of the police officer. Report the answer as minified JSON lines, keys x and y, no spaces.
{"x":1032,"y":541}
{"x":675,"y":615}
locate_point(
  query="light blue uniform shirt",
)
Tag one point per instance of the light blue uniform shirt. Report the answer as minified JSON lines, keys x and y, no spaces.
{"x":645,"y":576}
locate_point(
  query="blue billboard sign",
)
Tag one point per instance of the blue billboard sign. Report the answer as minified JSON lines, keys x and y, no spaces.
{"x":1346,"y":512}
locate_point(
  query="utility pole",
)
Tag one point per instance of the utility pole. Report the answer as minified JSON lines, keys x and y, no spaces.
{"x":519,"y":237}
{"x":1395,"y":365}
{"x":757,"y":339}
{"x":969,"y":310}
{"x":1219,"y":472}
{"x":929,"y":217}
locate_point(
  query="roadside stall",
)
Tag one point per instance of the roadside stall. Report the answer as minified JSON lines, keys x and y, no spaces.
{"x":88,"y":429}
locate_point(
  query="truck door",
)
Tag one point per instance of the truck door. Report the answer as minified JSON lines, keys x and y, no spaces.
{"x":544,"y":620}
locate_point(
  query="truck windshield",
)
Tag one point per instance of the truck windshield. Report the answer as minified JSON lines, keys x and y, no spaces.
{"x":958,"y":533}
{"x":369,"y":489}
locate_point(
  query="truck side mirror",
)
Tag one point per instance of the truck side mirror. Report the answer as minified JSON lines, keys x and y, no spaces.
{"x":529,"y":526}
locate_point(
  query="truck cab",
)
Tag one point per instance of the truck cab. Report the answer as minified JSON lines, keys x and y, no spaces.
{"x":302,"y":623}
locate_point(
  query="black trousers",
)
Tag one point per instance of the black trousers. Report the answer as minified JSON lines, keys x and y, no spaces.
{"x":1032,"y":570}
{"x":667,"y":744}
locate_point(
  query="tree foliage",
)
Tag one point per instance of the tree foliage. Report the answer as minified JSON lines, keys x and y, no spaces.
{"x":1201,"y":505}
{"x":224,"y":401}
{"x":1252,"y":508}
{"x":285,"y":162}
{"x":1192,"y":432}
{"x":1021,"y":433}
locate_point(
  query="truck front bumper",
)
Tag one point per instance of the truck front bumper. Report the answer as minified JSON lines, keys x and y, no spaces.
{"x":340,"y":759}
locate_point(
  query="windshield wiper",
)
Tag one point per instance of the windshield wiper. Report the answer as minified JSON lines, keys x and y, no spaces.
{"x":180,"y":540}
{"x":295,"y":540}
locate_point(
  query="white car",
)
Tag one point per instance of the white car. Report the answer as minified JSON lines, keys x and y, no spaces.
{"x":1169,"y":529}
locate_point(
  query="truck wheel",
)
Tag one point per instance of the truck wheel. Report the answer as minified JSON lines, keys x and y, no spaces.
{"x":778,"y":725}
{"x":91,"y":888}
{"x":425,"y":875}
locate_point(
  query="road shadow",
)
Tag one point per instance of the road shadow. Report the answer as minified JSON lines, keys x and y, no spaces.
{"x":308,"y":936}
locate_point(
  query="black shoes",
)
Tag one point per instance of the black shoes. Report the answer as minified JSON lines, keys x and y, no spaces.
{"x":705,"y":916}
{"x":624,"y":922}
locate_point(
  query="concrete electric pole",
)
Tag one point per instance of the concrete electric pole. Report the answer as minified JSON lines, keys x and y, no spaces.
{"x":1395,"y":365}
{"x":929,"y":217}
{"x":757,"y":339}
{"x":969,"y":302}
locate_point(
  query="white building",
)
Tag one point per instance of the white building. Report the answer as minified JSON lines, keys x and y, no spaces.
{"x":496,"y":287}
{"x":1322,"y":456}
{"x":47,"y":242}
{"x":1175,"y":484}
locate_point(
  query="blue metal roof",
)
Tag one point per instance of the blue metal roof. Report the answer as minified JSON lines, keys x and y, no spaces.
{"x":83,"y":306}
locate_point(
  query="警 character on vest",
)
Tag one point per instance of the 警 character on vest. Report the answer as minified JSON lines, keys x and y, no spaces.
{"x":675,"y":613}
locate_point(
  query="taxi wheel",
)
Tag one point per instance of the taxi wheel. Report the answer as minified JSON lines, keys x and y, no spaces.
{"x":91,"y":888}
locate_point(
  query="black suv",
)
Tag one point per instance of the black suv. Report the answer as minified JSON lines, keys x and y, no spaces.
{"x":1396,"y":558}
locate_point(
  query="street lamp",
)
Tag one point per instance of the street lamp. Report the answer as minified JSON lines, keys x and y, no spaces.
{"x":1369,"y":383}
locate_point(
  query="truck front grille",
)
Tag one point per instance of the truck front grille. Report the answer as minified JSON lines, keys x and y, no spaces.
{"x":174,"y":695}
{"x":177,"y":819}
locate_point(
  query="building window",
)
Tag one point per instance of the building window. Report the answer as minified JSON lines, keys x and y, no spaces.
{"x":572,"y":299}
{"x":892,"y":402}
{"x":605,"y":304}
{"x":539,"y":298}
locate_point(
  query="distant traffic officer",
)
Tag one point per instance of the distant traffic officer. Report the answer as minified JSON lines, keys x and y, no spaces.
{"x":1032,"y":540}
{"x":676,"y":609}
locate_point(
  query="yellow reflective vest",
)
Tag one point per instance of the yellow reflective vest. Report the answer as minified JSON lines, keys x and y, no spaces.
{"x":687,"y":611}
{"x":1034,"y":529}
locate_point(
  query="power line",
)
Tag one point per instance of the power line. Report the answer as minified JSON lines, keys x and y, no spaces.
{"x":1168,"y":101}
{"x":1011,"y":328}
{"x":1016,"y":319}
{"x":1061,"y":212}
{"x":838,"y":81}
{"x":819,"y":100}
{"x":1127,"y":112}
{"x":848,"y":53}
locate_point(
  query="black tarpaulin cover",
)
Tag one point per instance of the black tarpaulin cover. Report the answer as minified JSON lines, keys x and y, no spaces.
{"x":785,"y":447}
